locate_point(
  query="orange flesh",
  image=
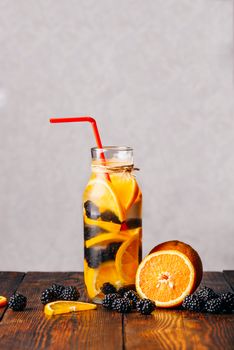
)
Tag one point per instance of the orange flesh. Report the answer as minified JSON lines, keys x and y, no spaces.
{"x":154,"y":271}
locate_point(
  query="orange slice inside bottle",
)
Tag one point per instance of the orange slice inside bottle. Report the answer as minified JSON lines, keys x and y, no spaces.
{"x":62,"y":307}
{"x":102,"y":193}
{"x":127,"y":257}
{"x":95,"y":278}
{"x":105,"y":238}
{"x":126,"y":188}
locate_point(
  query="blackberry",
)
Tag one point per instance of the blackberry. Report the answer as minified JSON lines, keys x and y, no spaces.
{"x":108,"y":288}
{"x":109,"y":299}
{"x":132,"y":296}
{"x":145,"y":306}
{"x":125,"y":289}
{"x":58,"y":289}
{"x":91,"y":231}
{"x":91,"y":210}
{"x":228,"y":301}
{"x":70,"y":293}
{"x":122,"y":305}
{"x":206,"y":294}
{"x":110,"y":252}
{"x":214,"y":306}
{"x":192,"y":303}
{"x":17,"y":302}
{"x":109,"y":216}
{"x":48,"y":295}
{"x":93,"y":257}
{"x":134,"y":223}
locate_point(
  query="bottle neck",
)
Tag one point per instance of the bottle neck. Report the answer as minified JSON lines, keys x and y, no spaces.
{"x":111,"y":167}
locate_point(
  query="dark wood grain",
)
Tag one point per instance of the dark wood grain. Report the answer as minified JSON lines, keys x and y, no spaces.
{"x":229,"y":276}
{"x":207,"y":331}
{"x":177,"y":329}
{"x":9,"y":282}
{"x":31,"y":329}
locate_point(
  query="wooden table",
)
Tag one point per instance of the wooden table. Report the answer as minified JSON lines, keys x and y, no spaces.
{"x":103,"y":329}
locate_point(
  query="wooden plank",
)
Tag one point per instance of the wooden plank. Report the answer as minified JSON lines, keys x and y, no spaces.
{"x":178,"y":329}
{"x":229,"y":276}
{"x":207,"y":331}
{"x":31,"y":329}
{"x":9,"y":281}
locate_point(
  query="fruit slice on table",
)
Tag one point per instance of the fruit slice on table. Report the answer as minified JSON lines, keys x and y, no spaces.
{"x":167,"y":276}
{"x":63,"y":307}
{"x":126,"y":188}
{"x":101,"y":192}
{"x":3,"y":301}
{"x":105,"y":225}
{"x":95,"y":278}
{"x":127,"y":257}
{"x":106,"y":238}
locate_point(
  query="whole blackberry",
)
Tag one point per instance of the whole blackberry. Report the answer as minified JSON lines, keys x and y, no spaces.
{"x":125,"y":289}
{"x":108,"y":288}
{"x":145,"y":306}
{"x":134,"y":223}
{"x":109,"y":299}
{"x":192,"y":303}
{"x":48,"y":295}
{"x":17,"y":302}
{"x":58,"y":289}
{"x":228,"y":301}
{"x":91,"y":210}
{"x":110,"y":251}
{"x":214,"y":306}
{"x":132,"y":296}
{"x":109,"y":216}
{"x":122,"y":305}
{"x":93,"y":257}
{"x":91,"y":231}
{"x":206,"y":294}
{"x":70,"y":293}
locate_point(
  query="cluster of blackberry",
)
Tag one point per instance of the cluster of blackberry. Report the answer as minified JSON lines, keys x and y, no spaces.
{"x":125,"y":300}
{"x":17,"y":302}
{"x":96,"y":256}
{"x":206,"y":300}
{"x":59,"y":292}
{"x":92,"y":212}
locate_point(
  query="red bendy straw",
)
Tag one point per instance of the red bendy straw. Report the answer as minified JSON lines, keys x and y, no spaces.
{"x":90,"y":120}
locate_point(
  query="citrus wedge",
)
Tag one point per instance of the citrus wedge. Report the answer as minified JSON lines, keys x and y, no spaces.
{"x":126,"y":188}
{"x":102,"y":193}
{"x":127,"y":257}
{"x":106,"y":238}
{"x":165,"y":277}
{"x":105,"y":225}
{"x":63,"y":307}
{"x":3,"y":301}
{"x":95,"y":278}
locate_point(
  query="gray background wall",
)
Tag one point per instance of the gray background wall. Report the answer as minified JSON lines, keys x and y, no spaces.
{"x":157,"y":75}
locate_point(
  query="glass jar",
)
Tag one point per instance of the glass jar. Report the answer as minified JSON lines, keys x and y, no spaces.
{"x":112,"y":210}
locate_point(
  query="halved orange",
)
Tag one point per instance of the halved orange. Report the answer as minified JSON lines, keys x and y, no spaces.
{"x":3,"y":301}
{"x":102,"y":193}
{"x":127,"y":257}
{"x":95,"y":278}
{"x":105,"y":238}
{"x":166,"y":277}
{"x":63,"y":307}
{"x":126,"y":188}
